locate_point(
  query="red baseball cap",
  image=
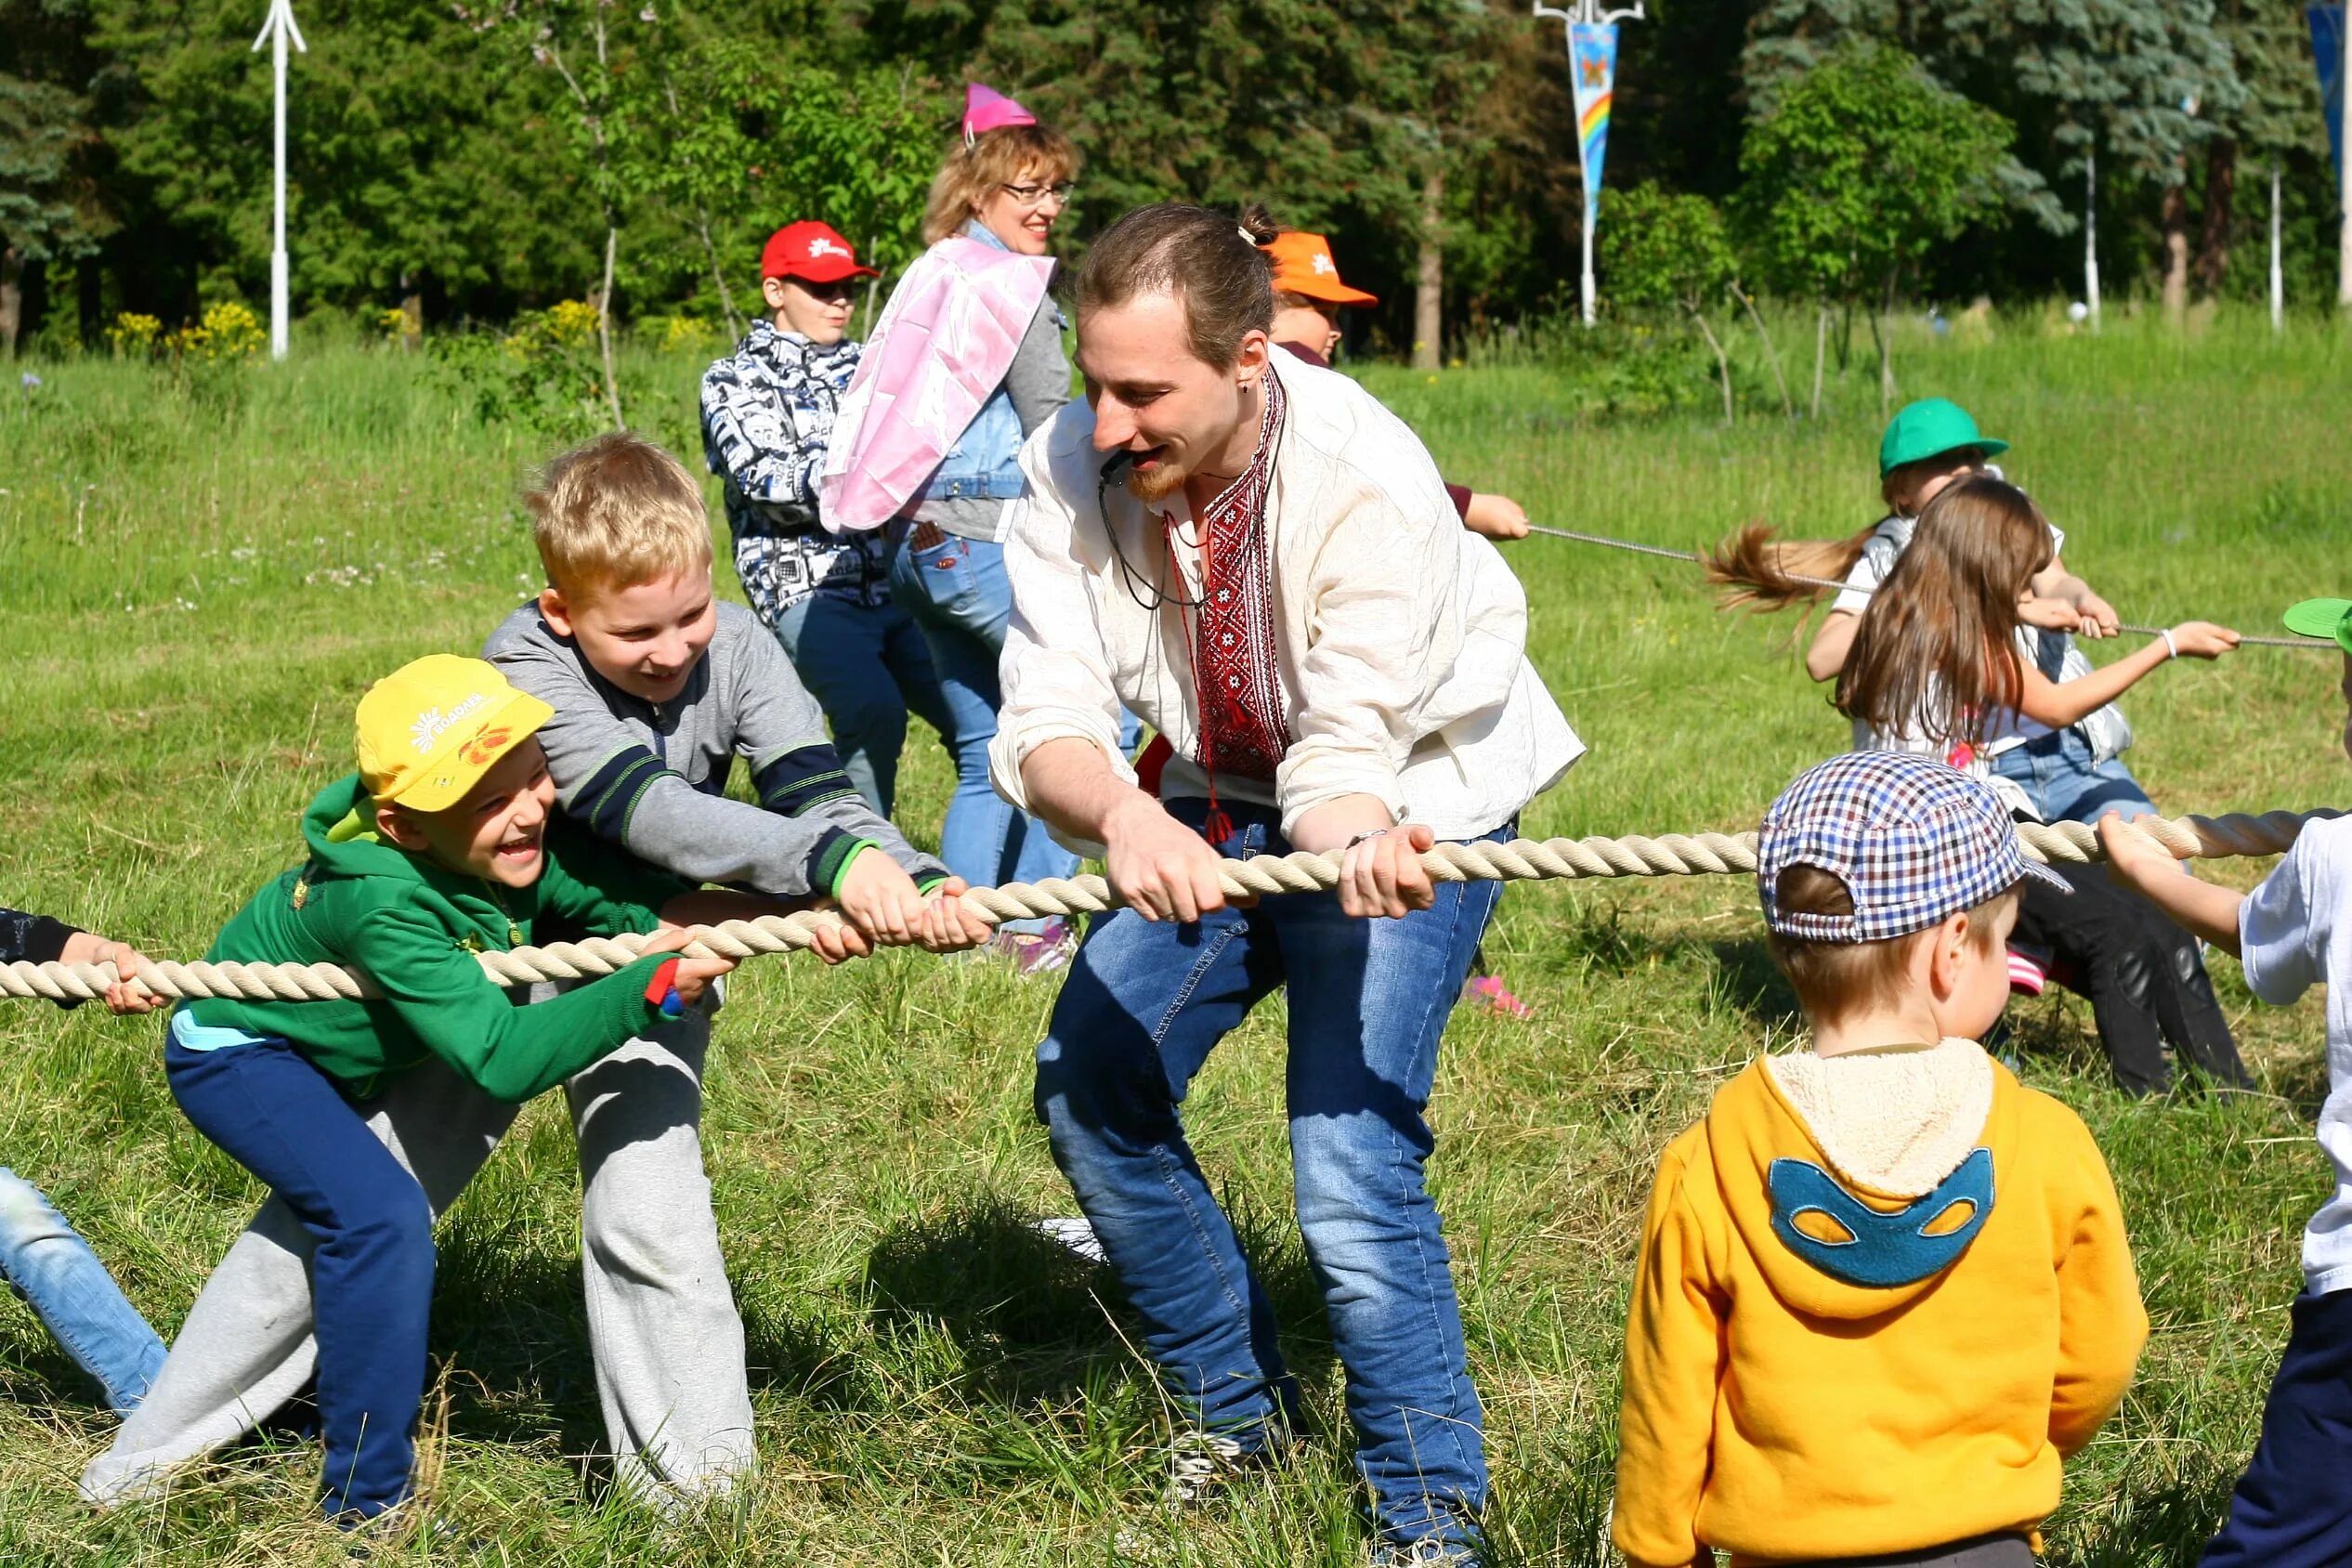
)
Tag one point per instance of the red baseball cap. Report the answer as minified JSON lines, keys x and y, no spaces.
{"x":812,"y":251}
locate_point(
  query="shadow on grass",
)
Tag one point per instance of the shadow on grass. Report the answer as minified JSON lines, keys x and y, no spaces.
{"x":1036,"y":1323}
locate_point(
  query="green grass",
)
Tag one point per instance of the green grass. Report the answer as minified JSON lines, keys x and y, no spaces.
{"x":196,"y":587}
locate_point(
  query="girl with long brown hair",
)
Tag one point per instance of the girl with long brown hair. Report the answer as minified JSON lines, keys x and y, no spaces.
{"x":1938,"y":667}
{"x":1936,"y":664}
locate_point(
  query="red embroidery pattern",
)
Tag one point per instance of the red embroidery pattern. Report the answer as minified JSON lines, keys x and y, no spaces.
{"x":1236,"y":683}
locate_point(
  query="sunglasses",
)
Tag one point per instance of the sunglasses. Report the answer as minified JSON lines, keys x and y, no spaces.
{"x":839,"y":289}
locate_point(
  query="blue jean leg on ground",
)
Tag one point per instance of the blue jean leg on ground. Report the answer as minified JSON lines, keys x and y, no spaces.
{"x":868,"y":666}
{"x":957,"y":593}
{"x":1144,"y":1005}
{"x":76,"y":1300}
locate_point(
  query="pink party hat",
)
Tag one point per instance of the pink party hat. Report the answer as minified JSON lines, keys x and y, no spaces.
{"x":985,"y":109}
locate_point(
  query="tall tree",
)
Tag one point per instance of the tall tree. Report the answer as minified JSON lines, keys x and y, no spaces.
{"x":1863,"y":167}
{"x":52,"y":197}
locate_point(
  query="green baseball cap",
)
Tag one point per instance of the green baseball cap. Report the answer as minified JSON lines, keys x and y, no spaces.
{"x":1929,"y":428}
{"x":2322,"y":618}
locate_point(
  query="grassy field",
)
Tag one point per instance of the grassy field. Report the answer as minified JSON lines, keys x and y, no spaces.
{"x":197,"y":586}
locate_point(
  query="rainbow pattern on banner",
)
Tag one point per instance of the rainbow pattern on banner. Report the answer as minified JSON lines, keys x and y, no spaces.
{"x":1592,"y":60}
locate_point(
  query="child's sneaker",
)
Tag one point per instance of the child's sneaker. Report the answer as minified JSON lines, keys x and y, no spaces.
{"x":1037,"y":952}
{"x":1489,"y":992}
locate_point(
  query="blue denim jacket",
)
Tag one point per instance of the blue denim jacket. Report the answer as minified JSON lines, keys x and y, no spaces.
{"x":985,"y":462}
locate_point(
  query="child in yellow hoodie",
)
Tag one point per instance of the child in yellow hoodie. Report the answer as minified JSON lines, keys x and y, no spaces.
{"x":1884,"y":1288}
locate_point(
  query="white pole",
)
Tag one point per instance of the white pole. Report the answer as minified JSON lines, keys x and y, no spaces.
{"x":2090,"y":235}
{"x":2278,"y":277}
{"x":276,"y":30}
{"x":1585,"y":283}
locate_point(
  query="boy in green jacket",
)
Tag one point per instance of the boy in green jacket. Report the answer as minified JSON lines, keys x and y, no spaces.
{"x":444,"y":844}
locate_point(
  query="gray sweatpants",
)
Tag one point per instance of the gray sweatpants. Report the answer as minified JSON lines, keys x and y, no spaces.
{"x":662,"y":1321}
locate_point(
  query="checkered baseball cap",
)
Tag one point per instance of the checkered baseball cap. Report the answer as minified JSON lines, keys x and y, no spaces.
{"x":1912,"y":841}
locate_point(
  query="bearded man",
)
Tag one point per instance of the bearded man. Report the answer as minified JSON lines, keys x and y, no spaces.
{"x":1262,"y":563}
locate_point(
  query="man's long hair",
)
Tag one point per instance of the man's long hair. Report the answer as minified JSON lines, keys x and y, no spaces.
{"x":1208,"y":259}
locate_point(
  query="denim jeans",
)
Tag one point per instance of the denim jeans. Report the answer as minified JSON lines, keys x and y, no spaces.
{"x":1144,"y":1006}
{"x":2056,"y":774}
{"x":869,"y":667}
{"x":76,"y":1300}
{"x":958,"y":593}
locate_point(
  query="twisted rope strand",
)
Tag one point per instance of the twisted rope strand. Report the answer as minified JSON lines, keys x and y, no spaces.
{"x":1674,"y":855}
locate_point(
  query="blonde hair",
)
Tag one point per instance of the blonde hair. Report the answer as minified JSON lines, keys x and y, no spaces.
{"x":1000,"y":157}
{"x":616,"y":511}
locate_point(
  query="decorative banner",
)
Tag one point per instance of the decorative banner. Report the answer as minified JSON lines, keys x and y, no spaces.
{"x":2326,"y":51}
{"x":1592,"y":57}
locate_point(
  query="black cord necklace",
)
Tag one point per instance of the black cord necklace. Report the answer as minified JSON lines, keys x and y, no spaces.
{"x":1136,"y":584}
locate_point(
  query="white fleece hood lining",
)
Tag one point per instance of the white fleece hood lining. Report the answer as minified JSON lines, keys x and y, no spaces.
{"x":1896,"y":1122}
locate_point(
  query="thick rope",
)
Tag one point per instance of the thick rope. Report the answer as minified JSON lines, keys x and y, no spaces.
{"x":1697,"y":559}
{"x":1675,"y":854}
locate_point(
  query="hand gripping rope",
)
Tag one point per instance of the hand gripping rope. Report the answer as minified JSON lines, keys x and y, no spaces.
{"x":1675,"y":854}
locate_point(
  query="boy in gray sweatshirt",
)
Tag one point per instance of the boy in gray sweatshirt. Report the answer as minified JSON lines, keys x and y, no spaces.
{"x":657,"y":688}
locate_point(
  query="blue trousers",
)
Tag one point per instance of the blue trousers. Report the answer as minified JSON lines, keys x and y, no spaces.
{"x":958,"y":593}
{"x":76,"y":1300}
{"x":2290,"y":1509}
{"x":1143,"y":1007}
{"x":869,"y":666}
{"x":372,"y":1277}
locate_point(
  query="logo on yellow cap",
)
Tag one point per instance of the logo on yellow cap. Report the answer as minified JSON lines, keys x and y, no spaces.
{"x":416,"y":746}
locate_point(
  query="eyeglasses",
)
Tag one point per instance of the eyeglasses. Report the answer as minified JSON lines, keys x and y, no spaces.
{"x":1035,"y":195}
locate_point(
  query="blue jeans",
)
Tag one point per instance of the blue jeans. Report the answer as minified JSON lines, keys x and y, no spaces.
{"x":76,"y":1300}
{"x":2056,"y":774}
{"x":372,"y":1277}
{"x":958,"y":593}
{"x":868,"y":666}
{"x":1144,"y":1006}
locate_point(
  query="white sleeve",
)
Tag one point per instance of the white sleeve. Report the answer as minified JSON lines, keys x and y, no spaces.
{"x":1053,"y":671}
{"x":2282,"y":931}
{"x":1388,"y":632}
{"x":1877,"y":559}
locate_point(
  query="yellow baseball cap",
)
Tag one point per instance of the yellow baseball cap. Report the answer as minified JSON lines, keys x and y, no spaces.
{"x":429,"y":730}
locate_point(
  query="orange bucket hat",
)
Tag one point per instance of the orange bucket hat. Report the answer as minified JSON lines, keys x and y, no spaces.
{"x":1303,"y":265}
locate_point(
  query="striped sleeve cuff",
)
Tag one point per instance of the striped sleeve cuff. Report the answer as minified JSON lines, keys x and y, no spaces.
{"x":830,"y":861}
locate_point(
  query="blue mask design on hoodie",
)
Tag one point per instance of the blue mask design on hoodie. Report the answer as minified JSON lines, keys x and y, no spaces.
{"x":1882,"y":1250}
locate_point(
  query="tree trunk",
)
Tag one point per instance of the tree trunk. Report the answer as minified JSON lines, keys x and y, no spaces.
{"x":2173,"y":217}
{"x":1771,"y":352}
{"x":12,"y":299}
{"x":1820,"y":348}
{"x":411,"y":316}
{"x":866,"y":322}
{"x":604,"y":325}
{"x":1722,"y":360}
{"x":718,"y":273}
{"x":2221,"y":189}
{"x":1428,"y":295}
